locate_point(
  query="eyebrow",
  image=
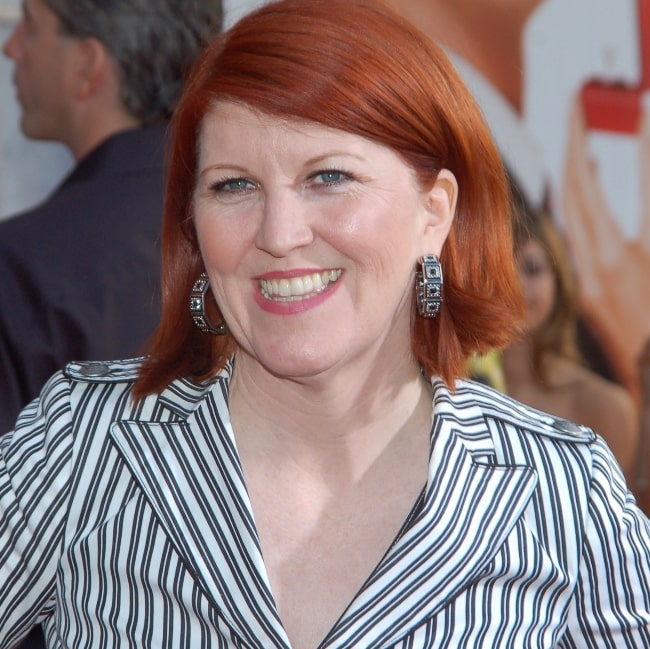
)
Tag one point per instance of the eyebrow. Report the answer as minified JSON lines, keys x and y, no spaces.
{"x":309,"y":162}
{"x":332,"y":154}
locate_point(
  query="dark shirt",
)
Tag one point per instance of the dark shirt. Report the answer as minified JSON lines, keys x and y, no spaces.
{"x":79,"y":273}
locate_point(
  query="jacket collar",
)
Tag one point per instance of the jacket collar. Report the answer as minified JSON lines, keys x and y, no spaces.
{"x":124,"y":152}
{"x":191,"y":474}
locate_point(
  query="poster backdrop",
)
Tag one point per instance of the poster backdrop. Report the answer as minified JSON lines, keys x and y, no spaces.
{"x":588,"y":74}
{"x":554,"y":78}
{"x":563,"y":84}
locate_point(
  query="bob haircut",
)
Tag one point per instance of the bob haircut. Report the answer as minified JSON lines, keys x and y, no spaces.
{"x":559,"y":334}
{"x":360,"y":68}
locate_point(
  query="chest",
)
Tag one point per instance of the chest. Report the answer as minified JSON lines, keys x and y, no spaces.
{"x":319,"y":555}
{"x":165,"y":568}
{"x":162,"y":549}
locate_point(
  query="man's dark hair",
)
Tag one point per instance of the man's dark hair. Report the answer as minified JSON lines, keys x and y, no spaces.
{"x":151,"y":41}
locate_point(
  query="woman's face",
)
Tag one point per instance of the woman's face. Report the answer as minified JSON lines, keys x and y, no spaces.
{"x":538,"y":283}
{"x":310,"y":238}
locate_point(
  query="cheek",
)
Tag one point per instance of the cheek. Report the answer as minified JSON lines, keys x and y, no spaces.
{"x":380,"y":240}
{"x":539,"y":294}
{"x":547,"y":297}
{"x":529,"y":289}
{"x":222,"y":244}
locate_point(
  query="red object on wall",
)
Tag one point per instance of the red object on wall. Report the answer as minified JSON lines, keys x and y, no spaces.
{"x":616,"y":107}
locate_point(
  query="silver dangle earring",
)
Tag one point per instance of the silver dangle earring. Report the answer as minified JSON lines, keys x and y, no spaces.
{"x":428,"y":286}
{"x":197,"y":307}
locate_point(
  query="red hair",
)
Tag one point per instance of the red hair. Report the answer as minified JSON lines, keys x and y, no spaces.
{"x":360,"y":68}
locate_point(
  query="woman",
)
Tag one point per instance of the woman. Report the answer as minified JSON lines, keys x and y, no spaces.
{"x":544,"y":369}
{"x":295,"y":465}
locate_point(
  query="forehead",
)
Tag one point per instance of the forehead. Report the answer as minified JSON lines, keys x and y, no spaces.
{"x":37,"y":8}
{"x":38,"y":11}
{"x":229,"y":115}
{"x":235,"y":128}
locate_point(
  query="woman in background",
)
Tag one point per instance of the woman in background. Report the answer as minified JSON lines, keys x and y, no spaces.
{"x":544,"y":369}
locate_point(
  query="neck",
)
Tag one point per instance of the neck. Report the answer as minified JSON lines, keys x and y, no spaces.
{"x":517,"y":364}
{"x":328,"y":424}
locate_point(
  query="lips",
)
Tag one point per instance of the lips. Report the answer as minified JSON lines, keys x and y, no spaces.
{"x":293,"y":289}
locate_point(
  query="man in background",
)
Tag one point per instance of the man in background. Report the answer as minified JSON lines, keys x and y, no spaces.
{"x":79,"y":272}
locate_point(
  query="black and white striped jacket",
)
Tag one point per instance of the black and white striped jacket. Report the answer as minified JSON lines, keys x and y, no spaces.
{"x":128,"y":525}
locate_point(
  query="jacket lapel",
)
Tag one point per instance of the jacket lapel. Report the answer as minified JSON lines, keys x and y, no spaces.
{"x":469,"y":508}
{"x":191,"y":475}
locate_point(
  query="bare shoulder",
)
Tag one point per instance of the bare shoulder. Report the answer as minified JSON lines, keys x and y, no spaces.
{"x":599,"y":396}
{"x":593,"y":394}
{"x":609,"y":410}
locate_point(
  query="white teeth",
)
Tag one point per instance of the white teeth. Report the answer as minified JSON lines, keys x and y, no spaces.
{"x":298,"y":288}
{"x":318,"y":282}
{"x":284,"y":288}
{"x":307,"y":284}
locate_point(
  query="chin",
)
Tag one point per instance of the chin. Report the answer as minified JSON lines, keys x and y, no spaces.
{"x":32,"y":132}
{"x":302,"y":365}
{"x":297,"y":370}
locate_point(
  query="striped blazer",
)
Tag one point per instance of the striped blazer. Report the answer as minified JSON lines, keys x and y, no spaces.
{"x":129,"y":525}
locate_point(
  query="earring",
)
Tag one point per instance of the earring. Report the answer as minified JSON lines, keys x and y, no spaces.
{"x":428,"y":286}
{"x":197,"y":307}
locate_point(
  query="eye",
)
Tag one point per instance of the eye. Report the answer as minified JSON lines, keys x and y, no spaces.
{"x":330,"y":177}
{"x":232,"y":186}
{"x":532,"y":269}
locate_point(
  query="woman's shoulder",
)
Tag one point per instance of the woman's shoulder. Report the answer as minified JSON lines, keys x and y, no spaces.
{"x":611,"y":411}
{"x":498,"y":429}
{"x":513,"y":416}
{"x":123,"y":371}
{"x":69,"y":390}
{"x":114,"y":381}
{"x":106,"y":382}
{"x":102,"y":390}
{"x":595,"y":393}
{"x":602,"y":404}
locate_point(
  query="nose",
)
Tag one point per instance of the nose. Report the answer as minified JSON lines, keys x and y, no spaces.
{"x":285,"y":224}
{"x":11,"y":47}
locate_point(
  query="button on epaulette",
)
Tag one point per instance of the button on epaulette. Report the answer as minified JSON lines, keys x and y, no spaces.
{"x":104,"y":371}
{"x":95,"y":369}
{"x":567,"y":426}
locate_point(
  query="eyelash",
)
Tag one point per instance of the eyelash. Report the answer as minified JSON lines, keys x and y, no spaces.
{"x":532,"y":270}
{"x":343,"y":176}
{"x":226,"y":185}
{"x":221,"y":186}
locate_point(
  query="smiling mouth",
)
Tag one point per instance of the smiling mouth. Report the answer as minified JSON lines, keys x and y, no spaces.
{"x":298,"y":288}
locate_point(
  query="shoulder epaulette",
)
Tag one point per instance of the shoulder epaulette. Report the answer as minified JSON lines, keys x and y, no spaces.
{"x":104,"y":371}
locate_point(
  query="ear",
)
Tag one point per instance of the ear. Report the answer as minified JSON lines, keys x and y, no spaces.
{"x":92,"y":66}
{"x":440,"y":210}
